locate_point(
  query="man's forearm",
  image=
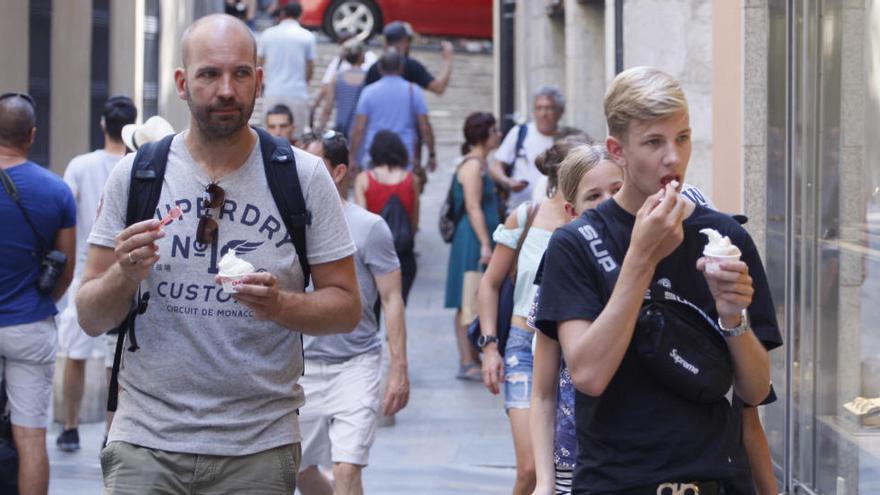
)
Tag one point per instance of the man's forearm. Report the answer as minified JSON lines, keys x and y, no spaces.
{"x":64,"y":281}
{"x":395,"y":320}
{"x":428,"y":137}
{"x":438,"y":85}
{"x":356,"y":137}
{"x":496,"y":172}
{"x":103,"y":302}
{"x":325,"y":311}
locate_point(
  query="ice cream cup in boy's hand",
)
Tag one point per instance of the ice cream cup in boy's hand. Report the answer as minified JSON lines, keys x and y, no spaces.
{"x":718,"y":249}
{"x":232,"y":270}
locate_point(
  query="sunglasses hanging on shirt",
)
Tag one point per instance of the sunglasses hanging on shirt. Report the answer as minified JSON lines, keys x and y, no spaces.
{"x":213,"y":198}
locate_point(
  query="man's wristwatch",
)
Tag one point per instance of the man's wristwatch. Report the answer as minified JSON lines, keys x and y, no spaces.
{"x":743,"y":327}
{"x":484,"y":340}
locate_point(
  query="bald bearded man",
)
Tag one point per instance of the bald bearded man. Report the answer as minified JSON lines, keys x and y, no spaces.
{"x":209,"y":402}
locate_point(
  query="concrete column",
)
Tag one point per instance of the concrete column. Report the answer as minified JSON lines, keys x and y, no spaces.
{"x":676,"y":36}
{"x":71,"y":76}
{"x":540,"y":52}
{"x":756,"y":41}
{"x":124,"y":56}
{"x":610,"y":47}
{"x":176,"y":17}
{"x":585,"y":66}
{"x":15,"y":31}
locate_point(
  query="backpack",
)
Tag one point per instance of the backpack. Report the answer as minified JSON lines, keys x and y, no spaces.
{"x":449,"y":216}
{"x":520,"y":141}
{"x":398,"y":221}
{"x":147,"y":173}
{"x":500,"y":192}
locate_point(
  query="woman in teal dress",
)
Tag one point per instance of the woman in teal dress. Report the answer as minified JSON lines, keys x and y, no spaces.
{"x":474,"y":191}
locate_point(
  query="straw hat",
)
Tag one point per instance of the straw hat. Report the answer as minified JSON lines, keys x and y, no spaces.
{"x":154,"y":129}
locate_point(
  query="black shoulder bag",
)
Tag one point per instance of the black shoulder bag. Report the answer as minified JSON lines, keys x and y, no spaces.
{"x":675,"y":340}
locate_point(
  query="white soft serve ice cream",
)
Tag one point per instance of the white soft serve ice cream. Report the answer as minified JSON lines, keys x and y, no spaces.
{"x":232,"y":266}
{"x":719,"y":246}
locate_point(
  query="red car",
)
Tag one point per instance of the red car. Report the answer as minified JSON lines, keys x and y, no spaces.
{"x":460,"y":18}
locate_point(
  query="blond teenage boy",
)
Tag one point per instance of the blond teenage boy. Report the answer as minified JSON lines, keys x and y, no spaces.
{"x":636,"y":435}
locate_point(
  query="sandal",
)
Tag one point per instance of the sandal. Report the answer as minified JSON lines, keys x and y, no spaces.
{"x":471,"y":371}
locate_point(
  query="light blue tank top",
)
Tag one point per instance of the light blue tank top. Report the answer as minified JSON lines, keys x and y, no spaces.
{"x":530,"y":256}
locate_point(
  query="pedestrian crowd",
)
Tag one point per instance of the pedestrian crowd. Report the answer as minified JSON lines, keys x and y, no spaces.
{"x":238,"y":276}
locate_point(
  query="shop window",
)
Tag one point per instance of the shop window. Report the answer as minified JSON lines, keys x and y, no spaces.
{"x":824,"y":242}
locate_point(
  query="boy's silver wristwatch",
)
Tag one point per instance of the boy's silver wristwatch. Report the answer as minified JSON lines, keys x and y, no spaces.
{"x":744,"y":326}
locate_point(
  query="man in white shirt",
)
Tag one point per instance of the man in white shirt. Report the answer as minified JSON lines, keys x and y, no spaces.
{"x":86,"y":175}
{"x":514,"y":169}
{"x":287,"y":54}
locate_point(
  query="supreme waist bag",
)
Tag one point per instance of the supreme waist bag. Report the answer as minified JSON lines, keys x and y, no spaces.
{"x":682,"y":348}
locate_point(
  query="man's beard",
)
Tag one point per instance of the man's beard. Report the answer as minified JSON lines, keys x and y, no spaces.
{"x":216,"y":130}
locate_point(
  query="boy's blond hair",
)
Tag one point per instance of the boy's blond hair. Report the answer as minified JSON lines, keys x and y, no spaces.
{"x":641,"y":94}
{"x":579,"y":160}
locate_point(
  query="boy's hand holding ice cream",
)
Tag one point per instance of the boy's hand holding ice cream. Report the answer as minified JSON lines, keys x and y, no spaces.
{"x":718,"y":250}
{"x":727,"y":276}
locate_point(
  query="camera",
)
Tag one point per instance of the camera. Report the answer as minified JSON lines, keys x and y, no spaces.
{"x":51,"y":267}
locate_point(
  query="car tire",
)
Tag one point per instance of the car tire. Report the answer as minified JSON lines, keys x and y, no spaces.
{"x":361,"y":16}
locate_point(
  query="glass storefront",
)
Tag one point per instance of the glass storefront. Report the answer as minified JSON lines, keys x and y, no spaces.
{"x":823,"y":243}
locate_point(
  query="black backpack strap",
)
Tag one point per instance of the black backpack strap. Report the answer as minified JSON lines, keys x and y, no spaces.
{"x":145,"y":187}
{"x":281,"y":173}
{"x":147,"y":174}
{"x":521,"y":133}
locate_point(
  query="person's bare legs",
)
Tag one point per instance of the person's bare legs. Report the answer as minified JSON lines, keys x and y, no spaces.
{"x":522,"y":445}
{"x":466,"y":353}
{"x":348,"y":479}
{"x":33,"y":461}
{"x":74,"y":385}
{"x":311,"y":481}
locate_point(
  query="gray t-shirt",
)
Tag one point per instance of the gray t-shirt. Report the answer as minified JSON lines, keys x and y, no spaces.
{"x":375,"y":256}
{"x":209,"y":378}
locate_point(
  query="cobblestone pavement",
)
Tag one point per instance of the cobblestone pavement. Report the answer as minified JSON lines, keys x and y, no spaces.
{"x":453,"y":438}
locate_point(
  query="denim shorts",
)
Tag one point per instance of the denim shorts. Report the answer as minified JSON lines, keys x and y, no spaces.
{"x":518,"y":359}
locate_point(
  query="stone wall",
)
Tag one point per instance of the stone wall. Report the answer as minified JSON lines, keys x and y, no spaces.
{"x":676,"y":36}
{"x":573,"y":52}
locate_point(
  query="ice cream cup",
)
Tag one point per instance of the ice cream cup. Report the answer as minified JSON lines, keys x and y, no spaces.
{"x":713,"y":261}
{"x":231,"y":283}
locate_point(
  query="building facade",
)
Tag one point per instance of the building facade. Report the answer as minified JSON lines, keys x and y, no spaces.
{"x":784,"y":98}
{"x":71,"y":55}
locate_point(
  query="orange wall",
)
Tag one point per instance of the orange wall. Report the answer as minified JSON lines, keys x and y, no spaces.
{"x":727,"y":98}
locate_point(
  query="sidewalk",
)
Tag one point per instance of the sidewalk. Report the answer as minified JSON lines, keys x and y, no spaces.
{"x":454,"y":436}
